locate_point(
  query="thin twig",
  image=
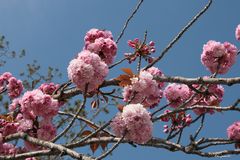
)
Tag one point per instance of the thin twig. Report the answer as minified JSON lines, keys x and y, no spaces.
{"x":179,"y":35}
{"x":74,"y":118}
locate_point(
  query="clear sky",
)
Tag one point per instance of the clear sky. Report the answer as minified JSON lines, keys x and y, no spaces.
{"x":52,"y":32}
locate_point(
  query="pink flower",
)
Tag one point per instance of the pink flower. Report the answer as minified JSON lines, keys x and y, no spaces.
{"x":14,"y":87}
{"x":101,"y":42}
{"x":105,"y":48}
{"x":144,"y":89}
{"x":135,"y":122}
{"x":176,"y":94}
{"x":213,"y":97}
{"x":7,"y":149}
{"x":233,"y":131}
{"x":237,"y":32}
{"x":36,"y":103}
{"x":6,"y":76}
{"x":46,"y":130}
{"x":94,"y":34}
{"x":48,"y":88}
{"x":216,"y":54}
{"x":87,"y":68}
{"x":4,"y":80}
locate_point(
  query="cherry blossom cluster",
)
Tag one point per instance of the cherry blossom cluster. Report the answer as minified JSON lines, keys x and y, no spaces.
{"x":212,"y":95}
{"x":218,"y":57}
{"x":178,"y":121}
{"x":91,"y":65}
{"x":87,"y":69}
{"x":134,"y":123}
{"x":237,"y":32}
{"x":233,"y":132}
{"x":101,"y":43}
{"x":10,"y":84}
{"x":32,"y":114}
{"x":141,"y":49}
{"x":144,"y":89}
{"x":177,"y":94}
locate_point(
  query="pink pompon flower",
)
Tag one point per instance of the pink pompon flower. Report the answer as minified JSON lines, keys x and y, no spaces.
{"x":233,"y":132}
{"x":4,"y":80}
{"x":94,"y":34}
{"x":101,"y":42}
{"x":134,"y":122}
{"x":213,"y":97}
{"x":47,"y":131}
{"x":217,"y":55}
{"x":176,"y":94}
{"x":237,"y":32}
{"x":87,"y":68}
{"x":6,"y":75}
{"x":7,"y":149}
{"x":14,"y":87}
{"x":105,"y":48}
{"x":48,"y":88}
{"x":144,"y":89}
{"x":36,"y":103}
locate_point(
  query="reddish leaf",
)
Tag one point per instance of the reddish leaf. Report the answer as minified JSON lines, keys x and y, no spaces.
{"x":92,"y":125}
{"x":128,"y":71}
{"x":7,"y":118}
{"x":120,"y":107}
{"x":104,"y":145}
{"x":124,"y":80}
{"x":94,"y":147}
{"x":85,"y":133}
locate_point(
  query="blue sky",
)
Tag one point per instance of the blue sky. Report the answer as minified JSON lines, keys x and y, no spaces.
{"x":52,"y":32}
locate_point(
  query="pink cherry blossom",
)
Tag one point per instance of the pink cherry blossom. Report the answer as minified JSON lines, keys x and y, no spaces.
{"x":143,"y":89}
{"x":233,"y":131}
{"x":177,"y":94}
{"x":87,"y":68}
{"x":105,"y":48}
{"x":14,"y":87}
{"x":101,"y":42}
{"x":46,"y":130}
{"x":237,"y":32}
{"x":135,"y":122}
{"x":48,"y":88}
{"x":213,"y":97}
{"x":36,"y":103}
{"x":216,"y":54}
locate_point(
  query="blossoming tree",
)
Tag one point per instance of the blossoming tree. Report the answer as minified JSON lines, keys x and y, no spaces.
{"x":36,"y":113}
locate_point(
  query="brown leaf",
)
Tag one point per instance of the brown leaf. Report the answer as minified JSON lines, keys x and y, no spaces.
{"x":124,"y":80}
{"x":85,"y":133}
{"x":104,"y":145}
{"x":92,"y":126}
{"x":127,"y":71}
{"x":94,"y":147}
{"x":120,"y":107}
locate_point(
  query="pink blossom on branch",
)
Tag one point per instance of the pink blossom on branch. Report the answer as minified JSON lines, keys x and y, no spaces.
{"x":177,"y":94}
{"x":237,"y":32}
{"x":213,"y":97}
{"x":36,"y":103}
{"x":14,"y":87}
{"x":216,"y":54}
{"x":144,"y":89}
{"x":134,"y":122}
{"x":89,"y":69}
{"x":233,"y":132}
{"x":101,"y":42}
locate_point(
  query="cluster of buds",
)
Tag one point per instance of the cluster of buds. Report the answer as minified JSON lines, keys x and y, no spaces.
{"x":177,"y":121}
{"x":141,"y":49}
